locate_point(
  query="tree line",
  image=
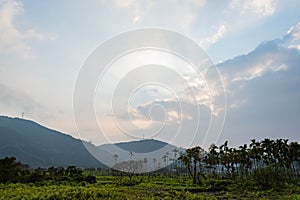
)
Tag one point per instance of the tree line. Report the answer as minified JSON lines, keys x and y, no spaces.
{"x":265,"y":161}
{"x":14,"y":171}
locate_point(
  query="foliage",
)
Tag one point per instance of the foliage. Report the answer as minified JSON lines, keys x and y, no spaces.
{"x":263,"y":170}
{"x":191,"y":158}
{"x":10,"y":170}
{"x":156,"y":187}
{"x":267,"y":158}
{"x":129,"y":168}
{"x":13,"y":171}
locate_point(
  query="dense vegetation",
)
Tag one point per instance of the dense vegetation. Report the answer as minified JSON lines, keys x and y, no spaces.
{"x":270,"y":163}
{"x":12,"y":171}
{"x":263,"y":170}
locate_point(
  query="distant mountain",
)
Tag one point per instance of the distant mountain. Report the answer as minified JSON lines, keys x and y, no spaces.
{"x":39,"y":146}
{"x":145,"y":150}
{"x":141,"y":146}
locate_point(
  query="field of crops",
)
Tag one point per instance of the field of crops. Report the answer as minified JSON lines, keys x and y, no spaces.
{"x":144,"y":187}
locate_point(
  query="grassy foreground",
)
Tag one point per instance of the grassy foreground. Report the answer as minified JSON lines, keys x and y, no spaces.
{"x":157,"y":187}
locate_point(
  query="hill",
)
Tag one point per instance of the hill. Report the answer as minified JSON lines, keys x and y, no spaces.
{"x":140,"y":146}
{"x":39,"y":146}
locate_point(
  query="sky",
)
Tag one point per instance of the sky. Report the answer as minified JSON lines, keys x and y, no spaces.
{"x":254,"y":45}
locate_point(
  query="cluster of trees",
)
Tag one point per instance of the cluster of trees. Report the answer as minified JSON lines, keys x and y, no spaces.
{"x":267,"y":159}
{"x":264,"y":161}
{"x":129,"y":168}
{"x":13,"y":171}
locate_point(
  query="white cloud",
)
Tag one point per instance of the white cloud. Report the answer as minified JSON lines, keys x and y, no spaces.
{"x":294,"y":32}
{"x":261,"y":7}
{"x":198,"y":3}
{"x":263,"y":94}
{"x":269,"y":56}
{"x":215,"y":37}
{"x":125,"y":3}
{"x":11,"y":38}
{"x":294,"y":46}
{"x":275,"y":56}
{"x":161,"y":13}
{"x":134,"y":7}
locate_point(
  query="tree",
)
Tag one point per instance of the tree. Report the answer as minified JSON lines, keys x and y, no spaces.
{"x":191,"y":158}
{"x":115,"y":156}
{"x":10,"y":170}
{"x":130,"y":155}
{"x":129,"y":167}
{"x":145,"y":163}
{"x":175,"y":150}
{"x":212,"y":158}
{"x":165,"y":160}
{"x":154,"y":162}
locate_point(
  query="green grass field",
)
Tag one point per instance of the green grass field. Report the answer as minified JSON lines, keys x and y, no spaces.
{"x":158,"y":187}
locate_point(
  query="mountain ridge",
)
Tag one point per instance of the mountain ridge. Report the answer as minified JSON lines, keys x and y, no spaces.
{"x":39,"y":146}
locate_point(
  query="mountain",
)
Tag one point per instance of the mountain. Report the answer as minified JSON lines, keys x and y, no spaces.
{"x":143,"y":150}
{"x":39,"y":146}
{"x":140,"y":146}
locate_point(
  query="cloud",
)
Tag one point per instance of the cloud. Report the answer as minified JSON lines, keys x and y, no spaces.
{"x":166,"y":110}
{"x":263,"y":8}
{"x":125,"y":3}
{"x":12,"y":40}
{"x":262,"y":88}
{"x":293,"y":33}
{"x":161,"y":13}
{"x":15,"y":102}
{"x":215,"y":37}
{"x":269,"y":56}
{"x":295,"y":46}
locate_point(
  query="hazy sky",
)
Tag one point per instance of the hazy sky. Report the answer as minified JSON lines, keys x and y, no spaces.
{"x":254,"y":43}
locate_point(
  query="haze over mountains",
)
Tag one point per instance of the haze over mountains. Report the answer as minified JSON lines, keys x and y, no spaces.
{"x":39,"y":146}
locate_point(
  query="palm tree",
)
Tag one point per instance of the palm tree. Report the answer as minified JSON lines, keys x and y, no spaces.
{"x":212,"y":158}
{"x":195,"y":154}
{"x":224,"y":157}
{"x":165,"y":160}
{"x":115,"y":156}
{"x":175,"y":150}
{"x":154,"y":162}
{"x":130,"y":155}
{"x":255,"y":153}
{"x":167,"y":154}
{"x":268,"y":151}
{"x":294,"y":155}
{"x":145,"y":163}
{"x":244,"y":160}
{"x":186,"y":160}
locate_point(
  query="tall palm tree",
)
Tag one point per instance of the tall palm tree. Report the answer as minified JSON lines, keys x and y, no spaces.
{"x":165,"y":160}
{"x":145,"y":163}
{"x":255,"y":153}
{"x":130,"y":155}
{"x":154,"y":162}
{"x":196,"y":155}
{"x":212,"y":158}
{"x":186,"y":160}
{"x":175,"y":150}
{"x":294,"y":155}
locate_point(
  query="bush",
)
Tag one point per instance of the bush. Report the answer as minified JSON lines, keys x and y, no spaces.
{"x":270,"y":177}
{"x":90,"y":179}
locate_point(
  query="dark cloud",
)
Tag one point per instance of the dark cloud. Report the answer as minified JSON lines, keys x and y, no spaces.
{"x":263,"y":92}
